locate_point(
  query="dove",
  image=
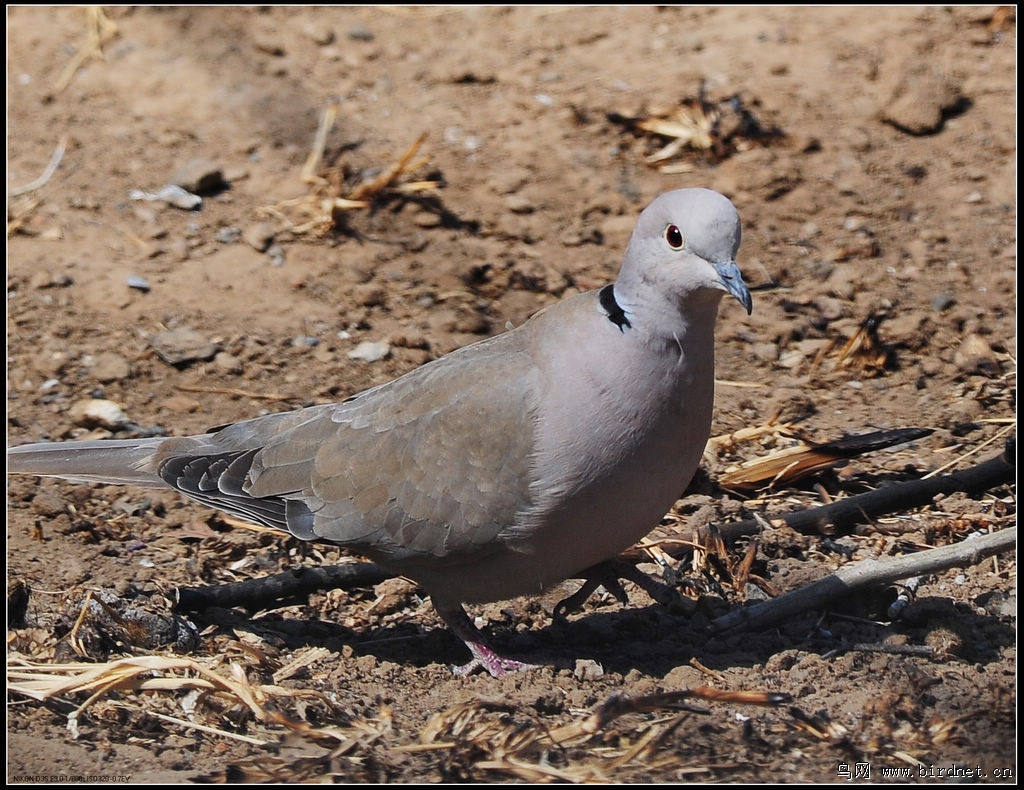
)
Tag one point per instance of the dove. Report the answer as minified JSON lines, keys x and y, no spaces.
{"x":497,"y":470}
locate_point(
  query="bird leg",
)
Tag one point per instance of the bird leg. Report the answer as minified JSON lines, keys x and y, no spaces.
{"x":601,"y":575}
{"x":484,"y":656}
{"x":607,"y":574}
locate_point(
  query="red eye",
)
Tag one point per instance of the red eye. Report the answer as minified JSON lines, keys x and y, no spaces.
{"x":674,"y":237}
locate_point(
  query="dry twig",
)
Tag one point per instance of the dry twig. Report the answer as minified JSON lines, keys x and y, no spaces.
{"x":840,"y":516}
{"x":324,"y":206}
{"x":234,"y":392}
{"x":868,"y":573}
{"x":48,"y":171}
{"x":100,"y":31}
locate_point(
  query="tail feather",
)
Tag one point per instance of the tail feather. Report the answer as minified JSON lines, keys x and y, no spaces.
{"x":111,"y":461}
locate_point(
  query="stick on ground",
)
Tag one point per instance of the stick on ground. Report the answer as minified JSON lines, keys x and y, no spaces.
{"x":868,"y":573}
{"x":839,"y":518}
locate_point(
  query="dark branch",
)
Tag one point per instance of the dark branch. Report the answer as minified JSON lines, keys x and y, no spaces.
{"x":280,"y":589}
{"x":840,"y":517}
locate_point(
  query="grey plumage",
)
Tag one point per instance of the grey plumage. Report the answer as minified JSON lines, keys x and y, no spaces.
{"x":501,"y":468}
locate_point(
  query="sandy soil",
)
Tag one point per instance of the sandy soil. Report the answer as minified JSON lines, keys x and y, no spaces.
{"x":887,"y":189}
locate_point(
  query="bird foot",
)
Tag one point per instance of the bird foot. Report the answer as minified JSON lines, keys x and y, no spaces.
{"x":607,"y":574}
{"x":484,"y":656}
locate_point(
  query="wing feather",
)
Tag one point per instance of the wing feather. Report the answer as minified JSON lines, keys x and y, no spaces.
{"x":435,"y":463}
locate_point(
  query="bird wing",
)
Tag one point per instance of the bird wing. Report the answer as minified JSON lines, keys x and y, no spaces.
{"x":432,"y":464}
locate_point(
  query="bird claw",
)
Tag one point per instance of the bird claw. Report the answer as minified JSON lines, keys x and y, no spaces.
{"x":496,"y":665}
{"x":597,"y":576}
{"x":484,"y":657}
{"x":607,"y":574}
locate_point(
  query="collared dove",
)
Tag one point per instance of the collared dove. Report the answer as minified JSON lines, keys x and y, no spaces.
{"x":501,"y":468}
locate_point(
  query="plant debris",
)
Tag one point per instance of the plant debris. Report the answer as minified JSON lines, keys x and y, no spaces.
{"x":714,"y":129}
{"x":790,"y":464}
{"x":335,"y":190}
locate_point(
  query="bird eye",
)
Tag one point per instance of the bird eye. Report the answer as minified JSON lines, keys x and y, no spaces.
{"x":674,"y":237}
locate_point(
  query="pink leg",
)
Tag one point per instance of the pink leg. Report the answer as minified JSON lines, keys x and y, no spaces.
{"x":483,"y":655}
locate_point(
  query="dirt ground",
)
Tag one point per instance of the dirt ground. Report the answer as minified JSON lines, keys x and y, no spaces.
{"x":871,"y":153}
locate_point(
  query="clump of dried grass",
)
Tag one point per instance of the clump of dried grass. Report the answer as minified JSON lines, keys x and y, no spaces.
{"x":697,"y":125}
{"x":333,"y":191}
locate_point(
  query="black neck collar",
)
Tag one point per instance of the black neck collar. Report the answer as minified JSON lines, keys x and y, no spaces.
{"x":615,"y":313}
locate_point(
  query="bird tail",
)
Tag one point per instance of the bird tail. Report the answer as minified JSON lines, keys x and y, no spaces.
{"x":110,"y":461}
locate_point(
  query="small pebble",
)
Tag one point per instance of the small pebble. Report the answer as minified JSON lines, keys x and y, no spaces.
{"x":200,"y":176}
{"x":171,"y":195}
{"x":44,"y":279}
{"x":180,"y":404}
{"x":921,"y":96}
{"x":975,"y":355}
{"x":830,"y":308}
{"x":228,"y":363}
{"x":791,"y":359}
{"x":109,"y":366}
{"x":765,"y":352}
{"x":324,"y":36}
{"x":228,"y":235}
{"x":96,"y":412}
{"x":138,"y":283}
{"x":259,"y":236}
{"x":276,"y":254}
{"x":370,"y":351}
{"x":587,"y":669}
{"x":519,"y":204}
{"x":180,"y":346}
{"x":360,"y":33}
{"x":47,"y":504}
{"x":370,"y":295}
